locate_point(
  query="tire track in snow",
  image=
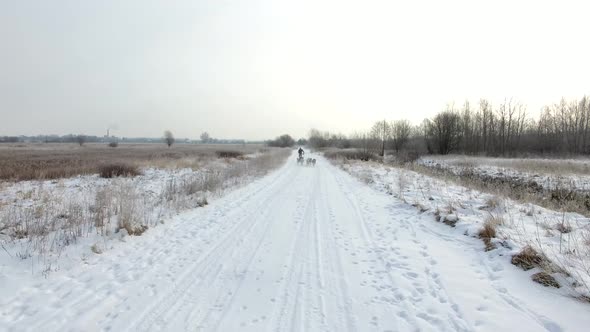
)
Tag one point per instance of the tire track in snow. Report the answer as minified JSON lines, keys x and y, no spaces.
{"x":361,"y":209}
{"x":209,"y":264}
{"x":284,"y":318}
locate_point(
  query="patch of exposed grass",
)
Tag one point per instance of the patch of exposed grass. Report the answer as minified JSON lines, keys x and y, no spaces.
{"x":45,"y":161}
{"x":545,"y":279}
{"x":230,"y":154}
{"x":528,"y":258}
{"x":118,"y":170}
{"x":488,"y":232}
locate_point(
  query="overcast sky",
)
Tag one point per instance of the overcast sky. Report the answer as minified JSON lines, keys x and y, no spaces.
{"x":255,"y":69}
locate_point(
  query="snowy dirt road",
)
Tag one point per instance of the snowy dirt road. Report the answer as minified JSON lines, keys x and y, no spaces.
{"x":303,"y":249}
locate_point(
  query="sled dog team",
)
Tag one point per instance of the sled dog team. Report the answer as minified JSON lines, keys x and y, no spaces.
{"x":308,"y":161}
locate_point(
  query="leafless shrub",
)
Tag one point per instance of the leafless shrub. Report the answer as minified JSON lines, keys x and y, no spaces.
{"x":352,"y":155}
{"x":116,"y":170}
{"x":407,"y":156}
{"x":113,"y":144}
{"x":229,"y":154}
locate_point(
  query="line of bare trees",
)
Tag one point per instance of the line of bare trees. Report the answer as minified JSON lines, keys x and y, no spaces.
{"x":503,"y":130}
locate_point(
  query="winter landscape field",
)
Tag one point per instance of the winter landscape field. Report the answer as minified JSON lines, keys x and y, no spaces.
{"x":244,"y":238}
{"x":294,"y":166}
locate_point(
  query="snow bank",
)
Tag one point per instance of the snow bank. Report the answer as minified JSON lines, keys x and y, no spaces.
{"x":563,"y":237}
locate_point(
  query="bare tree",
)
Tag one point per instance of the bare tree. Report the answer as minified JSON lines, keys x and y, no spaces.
{"x":168,"y":138}
{"x":205,"y":138}
{"x":400,"y":133}
{"x":444,"y":131}
{"x":381,"y":131}
{"x":81,"y":139}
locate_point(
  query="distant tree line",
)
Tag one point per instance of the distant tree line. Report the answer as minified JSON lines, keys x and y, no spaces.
{"x":500,"y":130}
{"x":80,"y":138}
{"x":282,"y":141}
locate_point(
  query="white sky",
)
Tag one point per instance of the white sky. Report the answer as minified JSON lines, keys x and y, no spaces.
{"x":255,"y":69}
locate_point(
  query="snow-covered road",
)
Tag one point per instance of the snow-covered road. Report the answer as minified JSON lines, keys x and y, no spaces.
{"x":303,"y":249}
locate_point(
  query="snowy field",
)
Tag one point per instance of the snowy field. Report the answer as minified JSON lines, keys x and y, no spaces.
{"x":48,"y":225}
{"x":546,"y":173}
{"x":564,"y":238}
{"x":305,"y":249}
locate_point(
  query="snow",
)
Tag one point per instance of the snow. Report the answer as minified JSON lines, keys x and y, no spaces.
{"x":304,"y":248}
{"x":546,"y":173}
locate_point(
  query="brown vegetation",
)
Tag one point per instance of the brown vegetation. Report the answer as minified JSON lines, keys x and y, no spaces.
{"x":117,"y":169}
{"x":352,"y":154}
{"x":488,"y":232}
{"x":528,"y":258}
{"x":560,"y":198}
{"x":61,"y":160}
{"x":545,"y":279}
{"x":229,"y":154}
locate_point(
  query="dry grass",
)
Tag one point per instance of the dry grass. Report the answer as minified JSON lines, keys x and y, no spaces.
{"x":545,"y":279}
{"x":53,"y":221}
{"x":52,"y":161}
{"x":528,"y":258}
{"x":488,"y":232}
{"x":532,"y":165}
{"x":523,"y":192}
{"x":117,"y":170}
{"x":229,"y":154}
{"x":351,"y":154}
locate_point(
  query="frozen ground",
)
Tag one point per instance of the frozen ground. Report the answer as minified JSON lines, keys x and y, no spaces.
{"x":304,"y":248}
{"x":546,"y":173}
{"x":54,"y":224}
{"x":563,"y":237}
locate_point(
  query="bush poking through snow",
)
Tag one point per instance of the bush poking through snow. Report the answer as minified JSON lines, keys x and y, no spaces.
{"x":545,"y":279}
{"x":451,"y":220}
{"x":229,"y":154}
{"x":135,"y":230}
{"x":96,"y":249}
{"x":117,"y":169}
{"x":420,"y":207}
{"x":202,"y":202}
{"x":352,"y":155}
{"x":488,"y":232}
{"x":564,"y":228}
{"x":528,"y":259}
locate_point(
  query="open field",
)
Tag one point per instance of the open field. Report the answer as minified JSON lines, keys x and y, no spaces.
{"x":557,"y":184}
{"x":42,"y":161}
{"x":40,"y":218}
{"x":301,"y":249}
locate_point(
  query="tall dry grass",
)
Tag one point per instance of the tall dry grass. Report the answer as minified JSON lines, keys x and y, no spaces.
{"x":50,"y":221}
{"x":53,"y":161}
